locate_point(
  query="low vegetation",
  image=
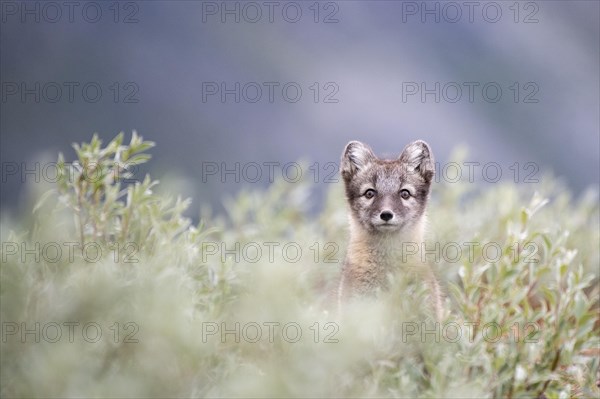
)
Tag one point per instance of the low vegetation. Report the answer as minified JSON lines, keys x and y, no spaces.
{"x":109,"y":291}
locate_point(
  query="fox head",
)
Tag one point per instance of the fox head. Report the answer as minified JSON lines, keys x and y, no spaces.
{"x":387,"y":196}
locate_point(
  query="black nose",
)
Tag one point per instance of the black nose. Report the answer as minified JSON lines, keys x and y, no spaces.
{"x":386,"y":215}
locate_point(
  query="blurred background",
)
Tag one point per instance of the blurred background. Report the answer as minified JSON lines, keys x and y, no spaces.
{"x":233,"y":92}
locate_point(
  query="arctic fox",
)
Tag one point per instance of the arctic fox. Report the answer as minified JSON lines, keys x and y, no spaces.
{"x":387,"y":201}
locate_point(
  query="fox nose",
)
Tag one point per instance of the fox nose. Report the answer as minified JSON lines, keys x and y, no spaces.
{"x":386,"y":215}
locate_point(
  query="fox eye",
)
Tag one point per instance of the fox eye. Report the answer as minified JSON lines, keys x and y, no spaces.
{"x":370,"y":193}
{"x":405,"y":194}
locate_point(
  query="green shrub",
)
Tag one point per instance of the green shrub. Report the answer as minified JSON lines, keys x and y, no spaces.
{"x":162,"y":292}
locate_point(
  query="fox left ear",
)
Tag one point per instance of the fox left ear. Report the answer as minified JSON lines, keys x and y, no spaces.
{"x":356,"y":156}
{"x":419,"y":158}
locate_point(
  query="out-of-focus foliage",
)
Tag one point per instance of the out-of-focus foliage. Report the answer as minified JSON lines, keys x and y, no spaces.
{"x":240,"y":306}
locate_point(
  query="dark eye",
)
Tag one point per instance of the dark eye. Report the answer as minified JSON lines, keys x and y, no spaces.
{"x":405,"y":194}
{"x":370,"y":193}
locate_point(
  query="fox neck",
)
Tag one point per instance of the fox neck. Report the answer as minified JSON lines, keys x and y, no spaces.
{"x":386,"y":249}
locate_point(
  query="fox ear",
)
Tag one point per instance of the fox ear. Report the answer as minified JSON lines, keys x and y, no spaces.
{"x":419,"y":158}
{"x":356,"y":156}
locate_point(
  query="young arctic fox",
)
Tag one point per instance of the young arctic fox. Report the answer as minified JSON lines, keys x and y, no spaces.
{"x":387,"y":201}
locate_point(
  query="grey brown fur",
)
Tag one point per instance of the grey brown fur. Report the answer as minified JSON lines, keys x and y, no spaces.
{"x":387,"y":202}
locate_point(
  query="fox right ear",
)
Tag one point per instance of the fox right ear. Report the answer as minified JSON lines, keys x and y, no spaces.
{"x":417,"y":155}
{"x":356,"y":156}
